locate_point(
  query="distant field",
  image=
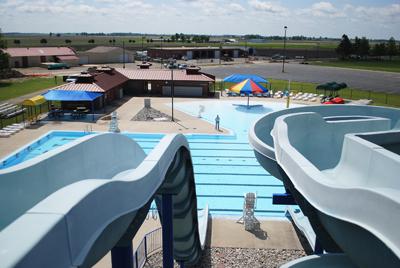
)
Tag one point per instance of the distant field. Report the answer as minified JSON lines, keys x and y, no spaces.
{"x":374,"y":65}
{"x":81,"y":42}
{"x":293,"y":45}
{"x":14,"y":88}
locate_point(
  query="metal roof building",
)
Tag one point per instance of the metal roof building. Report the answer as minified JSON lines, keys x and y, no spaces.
{"x":35,"y":56}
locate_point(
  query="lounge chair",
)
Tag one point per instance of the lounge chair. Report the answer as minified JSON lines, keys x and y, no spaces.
{"x":8,"y":131}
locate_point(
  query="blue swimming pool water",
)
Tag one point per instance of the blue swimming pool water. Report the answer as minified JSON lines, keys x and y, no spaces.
{"x":225,"y":166}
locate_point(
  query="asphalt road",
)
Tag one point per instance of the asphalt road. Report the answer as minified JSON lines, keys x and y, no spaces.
{"x":362,"y":79}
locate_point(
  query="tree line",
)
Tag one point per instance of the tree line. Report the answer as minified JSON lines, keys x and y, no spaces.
{"x":361,"y":48}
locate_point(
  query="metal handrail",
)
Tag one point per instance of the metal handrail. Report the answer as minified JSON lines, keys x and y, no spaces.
{"x":150,"y":243}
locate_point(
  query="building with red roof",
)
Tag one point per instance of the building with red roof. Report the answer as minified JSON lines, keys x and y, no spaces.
{"x":22,"y":57}
{"x":115,"y":83}
{"x":157,"y":82}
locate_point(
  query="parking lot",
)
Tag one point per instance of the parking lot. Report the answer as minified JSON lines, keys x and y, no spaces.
{"x":362,"y":79}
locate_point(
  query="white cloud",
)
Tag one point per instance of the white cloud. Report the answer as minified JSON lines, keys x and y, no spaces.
{"x":389,"y":13}
{"x":236,"y":7}
{"x":270,"y":7}
{"x":322,"y":9}
{"x":321,"y":17}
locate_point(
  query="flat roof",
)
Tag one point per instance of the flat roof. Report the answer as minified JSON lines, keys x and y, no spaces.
{"x":39,"y":51}
{"x":163,"y":75}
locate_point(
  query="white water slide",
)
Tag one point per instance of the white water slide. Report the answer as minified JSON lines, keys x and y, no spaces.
{"x":72,"y":205}
{"x":342,"y":165}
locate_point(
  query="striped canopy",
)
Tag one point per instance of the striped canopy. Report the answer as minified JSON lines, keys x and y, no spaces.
{"x":248,"y":86}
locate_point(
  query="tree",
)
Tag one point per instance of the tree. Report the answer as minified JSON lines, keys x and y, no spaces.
{"x":68,"y":41}
{"x":4,"y":65}
{"x":91,"y":41}
{"x":17,"y":41}
{"x":364,"y":47}
{"x":58,"y":35}
{"x":379,"y":50}
{"x":43,"y":41}
{"x":356,"y":46}
{"x":344,"y":48}
{"x":391,"y":48}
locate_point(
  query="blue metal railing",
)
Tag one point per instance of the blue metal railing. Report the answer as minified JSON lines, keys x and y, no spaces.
{"x":151,"y":243}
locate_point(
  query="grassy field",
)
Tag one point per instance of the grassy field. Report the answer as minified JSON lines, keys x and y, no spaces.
{"x":374,"y":65}
{"x":14,"y":88}
{"x":326,"y":45}
{"x":82,"y":41}
{"x":378,"y":98}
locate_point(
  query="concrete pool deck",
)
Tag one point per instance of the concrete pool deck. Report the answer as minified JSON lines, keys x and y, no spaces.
{"x":185,"y":123}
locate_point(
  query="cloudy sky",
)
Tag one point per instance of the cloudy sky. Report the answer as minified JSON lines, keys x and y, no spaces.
{"x":373,"y":19}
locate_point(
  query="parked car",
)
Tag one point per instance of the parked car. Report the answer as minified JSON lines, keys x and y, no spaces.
{"x":57,"y":66}
{"x":182,"y":66}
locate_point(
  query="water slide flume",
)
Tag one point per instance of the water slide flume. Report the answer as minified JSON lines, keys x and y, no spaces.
{"x":70,"y":206}
{"x":345,"y":183}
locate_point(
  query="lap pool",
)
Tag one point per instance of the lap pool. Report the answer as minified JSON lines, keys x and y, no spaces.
{"x":225,"y":166}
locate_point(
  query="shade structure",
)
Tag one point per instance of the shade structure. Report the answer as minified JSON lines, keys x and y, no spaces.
{"x":70,"y":95}
{"x":331,"y":86}
{"x":34,"y":101}
{"x":236,"y":78}
{"x":248,"y":87}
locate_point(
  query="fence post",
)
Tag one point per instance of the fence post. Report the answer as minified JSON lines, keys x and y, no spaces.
{"x":145,"y":246}
{"x":136,"y":259}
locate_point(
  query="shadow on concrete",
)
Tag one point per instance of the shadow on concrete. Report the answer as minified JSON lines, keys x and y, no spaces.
{"x":259,"y":233}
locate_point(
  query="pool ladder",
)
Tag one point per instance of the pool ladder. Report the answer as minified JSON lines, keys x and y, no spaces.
{"x":88,"y":129}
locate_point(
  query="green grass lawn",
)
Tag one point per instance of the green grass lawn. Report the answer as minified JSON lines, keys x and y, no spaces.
{"x":378,"y":98}
{"x":18,"y":87}
{"x":374,"y":65}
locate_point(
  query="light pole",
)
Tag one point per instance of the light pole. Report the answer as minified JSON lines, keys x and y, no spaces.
{"x":172,"y":93}
{"x":161,"y":54}
{"x":284,"y":51}
{"x":123,"y":54}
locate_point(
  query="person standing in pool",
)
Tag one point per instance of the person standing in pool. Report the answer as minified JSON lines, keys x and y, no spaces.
{"x":217,"y":122}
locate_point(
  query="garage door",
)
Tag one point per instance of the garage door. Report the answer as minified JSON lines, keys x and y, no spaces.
{"x":183,"y":91}
{"x":83,"y":59}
